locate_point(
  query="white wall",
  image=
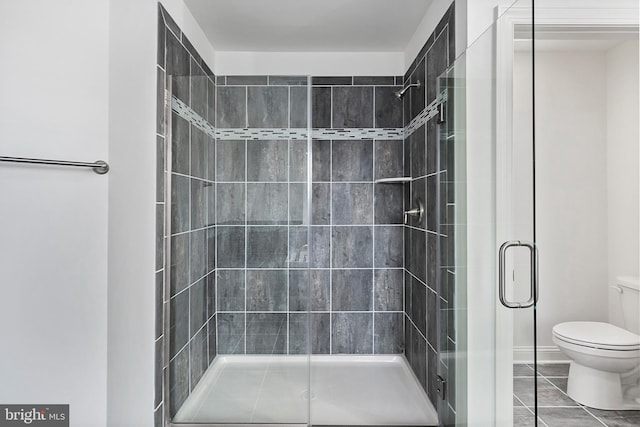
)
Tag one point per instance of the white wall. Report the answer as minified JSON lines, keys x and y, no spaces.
{"x":479,"y":131}
{"x":571,"y":189}
{"x":132,"y":110}
{"x":622,"y":160}
{"x":310,"y":63}
{"x":481,"y":14}
{"x":587,"y":181}
{"x":132,"y":153}
{"x":53,"y":227}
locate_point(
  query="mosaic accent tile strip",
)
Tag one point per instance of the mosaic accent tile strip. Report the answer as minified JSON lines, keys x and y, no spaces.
{"x":301,"y":133}
{"x":425,"y":115}
{"x":362,"y":133}
{"x":257,"y":134}
{"x":184,"y":111}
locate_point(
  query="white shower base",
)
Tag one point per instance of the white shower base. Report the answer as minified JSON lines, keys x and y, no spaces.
{"x":345,"y":390}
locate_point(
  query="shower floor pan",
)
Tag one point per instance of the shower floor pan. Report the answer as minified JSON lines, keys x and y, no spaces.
{"x":345,"y":390}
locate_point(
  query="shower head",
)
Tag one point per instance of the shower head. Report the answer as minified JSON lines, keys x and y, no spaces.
{"x":399,"y":94}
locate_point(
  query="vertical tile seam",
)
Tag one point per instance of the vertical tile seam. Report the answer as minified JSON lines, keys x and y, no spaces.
{"x":215,"y":212}
{"x":246,"y":226}
{"x":188,"y":289}
{"x":331,"y":242}
{"x":207,"y":225}
{"x":373,"y":222}
{"x":289,"y":251}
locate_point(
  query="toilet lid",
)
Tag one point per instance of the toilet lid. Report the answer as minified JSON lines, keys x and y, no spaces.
{"x":598,"y":335}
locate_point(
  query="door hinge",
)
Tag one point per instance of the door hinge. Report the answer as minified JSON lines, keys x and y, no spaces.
{"x":441,"y":386}
{"x":441,"y":116}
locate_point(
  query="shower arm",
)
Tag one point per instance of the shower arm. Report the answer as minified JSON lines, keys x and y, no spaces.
{"x":404,"y":90}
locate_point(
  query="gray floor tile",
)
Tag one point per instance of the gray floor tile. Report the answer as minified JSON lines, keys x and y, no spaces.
{"x":561,"y":383}
{"x":568,"y":417}
{"x":548,"y":394}
{"x":555,"y":407}
{"x":554,"y":369}
{"x":522,"y":417}
{"x":617,"y":418}
{"x":602,"y":412}
{"x":522,"y":370}
{"x":620,"y":422}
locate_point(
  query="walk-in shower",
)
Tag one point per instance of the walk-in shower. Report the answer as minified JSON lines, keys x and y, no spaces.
{"x":296,"y":290}
{"x":286,"y":278}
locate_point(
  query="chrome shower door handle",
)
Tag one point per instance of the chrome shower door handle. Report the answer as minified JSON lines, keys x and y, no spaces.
{"x":533,"y":259}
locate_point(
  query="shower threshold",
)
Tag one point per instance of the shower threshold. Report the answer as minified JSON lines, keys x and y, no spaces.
{"x":346,"y":390}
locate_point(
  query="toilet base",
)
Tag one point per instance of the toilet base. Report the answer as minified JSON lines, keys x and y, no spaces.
{"x":599,"y":389}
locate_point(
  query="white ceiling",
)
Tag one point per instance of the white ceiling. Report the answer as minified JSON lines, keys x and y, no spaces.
{"x":309,"y":25}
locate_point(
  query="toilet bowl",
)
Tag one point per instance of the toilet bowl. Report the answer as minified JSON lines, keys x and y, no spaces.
{"x":605,"y":358}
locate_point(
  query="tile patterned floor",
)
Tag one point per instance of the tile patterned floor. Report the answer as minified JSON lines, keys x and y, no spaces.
{"x":555,"y":408}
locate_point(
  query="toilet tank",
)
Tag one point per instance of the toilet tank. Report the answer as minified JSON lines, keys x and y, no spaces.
{"x":625,"y":307}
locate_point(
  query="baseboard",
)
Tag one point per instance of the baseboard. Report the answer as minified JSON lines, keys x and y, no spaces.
{"x":546,"y":354}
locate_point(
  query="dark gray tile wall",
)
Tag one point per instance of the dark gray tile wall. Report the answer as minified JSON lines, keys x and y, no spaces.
{"x":356,"y":246}
{"x":428,"y":244}
{"x":362,"y":220}
{"x":262,"y":250}
{"x":191,"y":296}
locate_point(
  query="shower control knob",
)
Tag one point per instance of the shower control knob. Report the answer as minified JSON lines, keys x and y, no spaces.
{"x":415,"y":212}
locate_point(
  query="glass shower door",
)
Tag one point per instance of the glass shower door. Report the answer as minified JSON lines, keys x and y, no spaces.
{"x":237,"y":250}
{"x":492,"y":266}
{"x":517,"y":252}
{"x":518,"y":256}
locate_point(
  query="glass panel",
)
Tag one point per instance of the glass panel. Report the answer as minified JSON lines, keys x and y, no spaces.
{"x":488,"y":138}
{"x":515,"y":231}
{"x":240,"y":279}
{"x":452,"y":246}
{"x":585,"y":188}
{"x":359,"y":372}
{"x":553,"y":192}
{"x":516,"y":172}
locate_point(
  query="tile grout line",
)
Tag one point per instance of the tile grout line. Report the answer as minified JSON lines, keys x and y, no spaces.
{"x":573,"y":407}
{"x":565,"y":394}
{"x":588,"y":412}
{"x":246,"y":234}
{"x":215,"y":213}
{"x":331,"y":243}
{"x":289,"y":249}
{"x":373,"y":230}
{"x":188,"y":288}
{"x":215,"y":217}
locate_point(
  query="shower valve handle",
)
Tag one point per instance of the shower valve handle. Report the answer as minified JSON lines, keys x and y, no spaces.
{"x":415,"y":212}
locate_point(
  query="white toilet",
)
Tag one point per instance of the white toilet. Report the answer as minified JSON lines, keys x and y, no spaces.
{"x":605,"y":357}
